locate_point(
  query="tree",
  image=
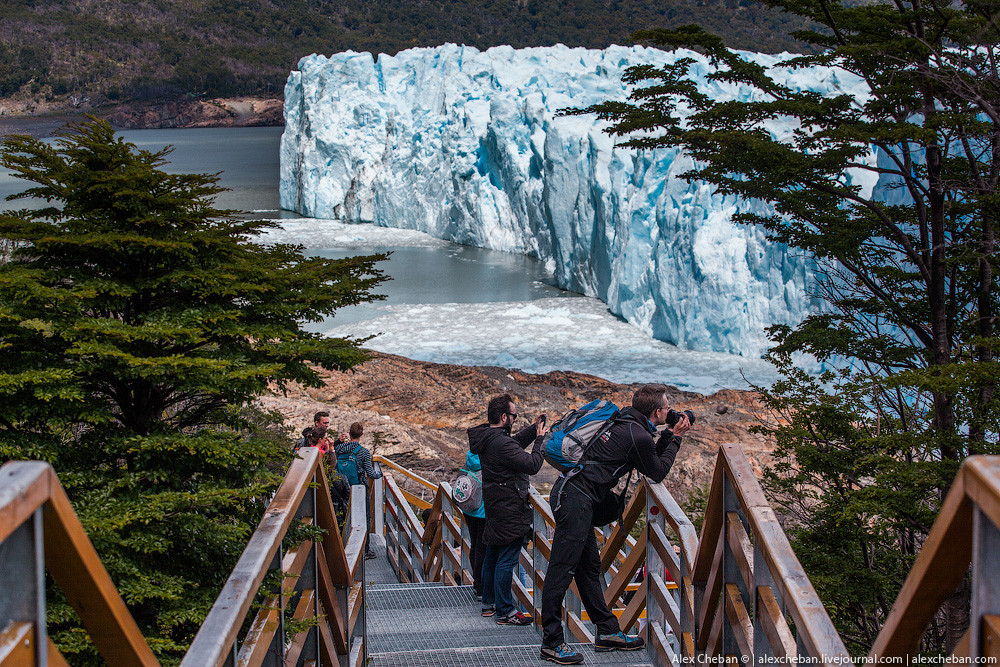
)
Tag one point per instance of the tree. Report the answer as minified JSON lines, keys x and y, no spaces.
{"x":137,"y":326}
{"x":907,"y":269}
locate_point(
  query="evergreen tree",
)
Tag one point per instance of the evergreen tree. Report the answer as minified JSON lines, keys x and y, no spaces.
{"x":907,"y":271}
{"x":137,"y":326}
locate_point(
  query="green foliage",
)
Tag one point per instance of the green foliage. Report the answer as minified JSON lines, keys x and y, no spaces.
{"x":219,"y":47}
{"x":907,"y":271}
{"x":137,"y":325}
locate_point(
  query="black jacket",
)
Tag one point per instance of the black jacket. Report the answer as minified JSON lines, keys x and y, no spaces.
{"x":506,"y":468}
{"x":628,"y":446}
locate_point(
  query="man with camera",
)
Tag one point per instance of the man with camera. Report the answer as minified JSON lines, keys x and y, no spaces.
{"x":588,"y":489}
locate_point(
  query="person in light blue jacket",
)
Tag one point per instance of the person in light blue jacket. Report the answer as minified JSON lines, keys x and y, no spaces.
{"x":476,"y":521}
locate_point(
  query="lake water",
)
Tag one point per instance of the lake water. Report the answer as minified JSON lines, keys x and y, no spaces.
{"x":444,"y":302}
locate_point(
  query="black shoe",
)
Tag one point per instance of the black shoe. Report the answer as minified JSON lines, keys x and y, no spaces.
{"x":514,"y":618}
{"x":561,"y":654}
{"x":370,"y":555}
{"x":618,"y":642}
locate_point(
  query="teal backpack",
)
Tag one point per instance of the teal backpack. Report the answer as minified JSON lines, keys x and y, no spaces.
{"x":347,"y":465}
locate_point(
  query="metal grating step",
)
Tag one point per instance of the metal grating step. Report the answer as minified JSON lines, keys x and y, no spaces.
{"x":499,"y":656}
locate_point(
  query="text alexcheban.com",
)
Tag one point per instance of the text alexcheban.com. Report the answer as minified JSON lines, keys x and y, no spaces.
{"x":900,"y":661}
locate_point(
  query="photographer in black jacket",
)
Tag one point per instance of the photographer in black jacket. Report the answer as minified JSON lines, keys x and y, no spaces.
{"x":627,"y":446}
{"x":506,"y":468}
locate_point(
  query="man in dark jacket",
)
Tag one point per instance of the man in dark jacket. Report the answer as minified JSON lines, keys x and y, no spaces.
{"x":627,"y":446}
{"x":506,"y":468}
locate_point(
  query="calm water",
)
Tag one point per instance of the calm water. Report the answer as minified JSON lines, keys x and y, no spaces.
{"x":247,"y":161}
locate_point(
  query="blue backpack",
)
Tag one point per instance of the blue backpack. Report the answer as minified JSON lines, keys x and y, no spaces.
{"x":347,"y":465}
{"x":575,"y":431}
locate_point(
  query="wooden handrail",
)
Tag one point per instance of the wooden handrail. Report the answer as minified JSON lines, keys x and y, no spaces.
{"x":944,"y":560}
{"x":73,"y":563}
{"x":408,"y":473}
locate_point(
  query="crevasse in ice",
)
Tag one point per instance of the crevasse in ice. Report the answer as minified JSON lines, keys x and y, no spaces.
{"x":468,"y":146}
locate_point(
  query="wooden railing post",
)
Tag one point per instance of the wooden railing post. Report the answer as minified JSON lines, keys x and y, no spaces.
{"x":22,"y":591}
{"x":378,"y":504}
{"x":985,"y":583}
{"x":654,"y":564}
{"x":539,"y":564}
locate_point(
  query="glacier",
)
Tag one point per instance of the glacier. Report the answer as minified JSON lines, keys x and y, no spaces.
{"x":468,"y":146}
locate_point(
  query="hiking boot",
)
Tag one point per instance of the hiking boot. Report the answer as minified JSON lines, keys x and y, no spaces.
{"x":561,"y":654}
{"x":514,"y":618}
{"x":488,"y":611}
{"x":618,"y":642}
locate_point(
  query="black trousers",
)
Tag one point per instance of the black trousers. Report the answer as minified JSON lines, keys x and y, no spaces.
{"x":574,"y":557}
{"x":477,"y":550}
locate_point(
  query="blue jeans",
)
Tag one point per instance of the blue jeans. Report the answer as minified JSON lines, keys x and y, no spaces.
{"x":498,"y":572}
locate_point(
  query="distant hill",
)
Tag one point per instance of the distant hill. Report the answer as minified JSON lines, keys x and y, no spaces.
{"x":132,"y":50}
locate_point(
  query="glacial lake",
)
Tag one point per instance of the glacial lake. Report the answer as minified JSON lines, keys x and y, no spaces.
{"x":445,"y":302}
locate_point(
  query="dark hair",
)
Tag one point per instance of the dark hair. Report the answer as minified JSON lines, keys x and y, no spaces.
{"x":317,"y":433}
{"x":323,"y":413}
{"x":649,"y":397}
{"x":357,"y":429}
{"x":498,"y":407}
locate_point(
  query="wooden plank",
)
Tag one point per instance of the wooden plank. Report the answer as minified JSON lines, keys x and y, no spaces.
{"x":636,"y":506}
{"x":678,"y":522}
{"x":713,"y":645}
{"x":578,"y":629}
{"x":414,"y":500}
{"x":327,"y":647}
{"x":708,"y":603}
{"x":940,"y":566}
{"x":739,"y":545}
{"x":24,"y":487}
{"x":633,"y":562}
{"x":331,"y":606}
{"x":739,"y":621}
{"x":687,"y":598}
{"x":433,"y":551}
{"x":661,"y":646}
{"x":664,"y":550}
{"x":687,"y":646}
{"x":544,"y":545}
{"x":432,"y":529}
{"x":772,"y":621}
{"x":671,"y":614}
{"x":711,"y":527}
{"x":982,"y":484}
{"x":521,"y":593}
{"x":77,"y":569}
{"x":448,"y":578}
{"x":407,"y":517}
{"x":333,"y":545}
{"x":635,"y":608}
{"x":815,"y":631}
{"x":17,"y":644}
{"x":355,"y":603}
{"x":407,"y":473}
{"x":990,"y":640}
{"x":56,"y":658}
{"x":303,"y":609}
{"x":258,"y":640}
{"x":541,"y":505}
{"x":357,"y":657}
{"x":217,"y":634}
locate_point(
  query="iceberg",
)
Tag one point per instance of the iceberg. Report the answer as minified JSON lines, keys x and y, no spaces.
{"x":468,"y":146}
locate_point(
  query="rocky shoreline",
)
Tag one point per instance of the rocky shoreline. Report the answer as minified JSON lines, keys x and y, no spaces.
{"x":421,"y":410}
{"x":40,"y":119}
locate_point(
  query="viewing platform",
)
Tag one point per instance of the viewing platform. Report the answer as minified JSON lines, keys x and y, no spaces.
{"x":736,"y":592}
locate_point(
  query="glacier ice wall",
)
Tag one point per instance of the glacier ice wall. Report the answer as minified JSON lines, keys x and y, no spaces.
{"x":466,"y":145}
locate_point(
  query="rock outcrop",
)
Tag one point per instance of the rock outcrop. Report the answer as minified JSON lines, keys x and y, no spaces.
{"x":420,"y":411}
{"x":188,"y":113}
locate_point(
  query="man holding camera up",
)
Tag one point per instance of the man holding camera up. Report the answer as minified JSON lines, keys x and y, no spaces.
{"x":575,"y":497}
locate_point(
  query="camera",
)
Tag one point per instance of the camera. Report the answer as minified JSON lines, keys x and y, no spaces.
{"x":673,"y":417}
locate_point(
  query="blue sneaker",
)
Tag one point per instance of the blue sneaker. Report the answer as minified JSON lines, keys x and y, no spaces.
{"x":561,"y":654}
{"x":618,"y":642}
